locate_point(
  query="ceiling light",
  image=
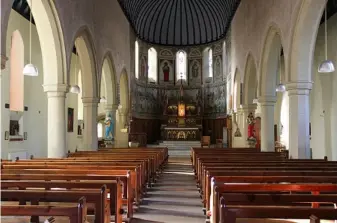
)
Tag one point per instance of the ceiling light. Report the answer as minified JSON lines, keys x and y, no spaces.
{"x":75,"y":89}
{"x":281,"y":88}
{"x":327,"y":65}
{"x":30,"y":70}
{"x":103,"y":99}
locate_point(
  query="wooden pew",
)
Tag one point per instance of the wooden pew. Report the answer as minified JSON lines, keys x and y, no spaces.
{"x":135,"y":175}
{"x":76,"y":213}
{"x":114,"y":190}
{"x":252,"y":167}
{"x":96,"y":197}
{"x":75,"y":175}
{"x":240,"y":205}
{"x":219,"y":180}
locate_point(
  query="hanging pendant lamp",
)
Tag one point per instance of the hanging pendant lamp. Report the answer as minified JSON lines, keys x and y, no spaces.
{"x":30,"y":69}
{"x":327,"y":65}
{"x":280,"y":87}
{"x":75,"y":88}
{"x":103,"y":100}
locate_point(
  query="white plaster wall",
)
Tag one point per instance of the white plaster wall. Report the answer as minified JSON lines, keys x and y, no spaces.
{"x":35,"y":119}
{"x":323,"y":97}
{"x":251,"y":23}
{"x":73,"y":140}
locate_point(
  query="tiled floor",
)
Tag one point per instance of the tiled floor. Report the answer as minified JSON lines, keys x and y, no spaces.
{"x":174,"y":198}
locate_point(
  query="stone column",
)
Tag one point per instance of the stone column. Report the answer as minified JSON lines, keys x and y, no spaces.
{"x":90,"y":138}
{"x":56,"y":94}
{"x":3,"y":66}
{"x":299,"y":118}
{"x":3,"y":62}
{"x":122,"y":135}
{"x":245,"y":110}
{"x":267,"y":123}
{"x":111,"y":109}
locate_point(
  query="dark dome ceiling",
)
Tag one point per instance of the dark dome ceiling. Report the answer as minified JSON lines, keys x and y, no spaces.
{"x":180,"y":22}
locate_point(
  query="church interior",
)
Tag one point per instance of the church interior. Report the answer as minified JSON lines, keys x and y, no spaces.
{"x":168,"y":111}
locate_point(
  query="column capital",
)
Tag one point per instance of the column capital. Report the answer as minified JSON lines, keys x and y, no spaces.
{"x":299,"y":88}
{"x":55,"y":87}
{"x":110,"y":107}
{"x":267,"y":100}
{"x":3,"y":61}
{"x":90,"y":101}
{"x":55,"y":90}
{"x":122,"y":110}
{"x":248,"y":107}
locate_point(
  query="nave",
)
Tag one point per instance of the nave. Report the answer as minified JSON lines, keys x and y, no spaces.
{"x":174,"y":197}
{"x":235,"y":185}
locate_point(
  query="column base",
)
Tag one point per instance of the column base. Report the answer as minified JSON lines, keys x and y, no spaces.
{"x":122,"y":141}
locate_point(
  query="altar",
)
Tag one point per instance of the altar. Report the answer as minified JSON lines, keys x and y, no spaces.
{"x":180,"y":133}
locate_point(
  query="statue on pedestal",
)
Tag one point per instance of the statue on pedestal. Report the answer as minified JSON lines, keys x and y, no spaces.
{"x":109,"y":126}
{"x":251,"y":123}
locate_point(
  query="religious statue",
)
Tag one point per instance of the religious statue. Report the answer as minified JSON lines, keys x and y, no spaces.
{"x":166,"y":71}
{"x":195,"y":70}
{"x":251,"y":122}
{"x":109,"y":127}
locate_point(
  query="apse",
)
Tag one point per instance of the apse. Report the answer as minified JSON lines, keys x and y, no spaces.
{"x":180,"y":22}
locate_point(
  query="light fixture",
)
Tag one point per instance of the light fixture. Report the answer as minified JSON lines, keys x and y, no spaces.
{"x":327,"y":65}
{"x":102,"y":100}
{"x":255,"y":101}
{"x":280,"y":88}
{"x":30,"y":69}
{"x":75,"y":89}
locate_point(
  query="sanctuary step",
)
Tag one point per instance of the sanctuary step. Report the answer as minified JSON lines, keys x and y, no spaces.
{"x":178,"y":148}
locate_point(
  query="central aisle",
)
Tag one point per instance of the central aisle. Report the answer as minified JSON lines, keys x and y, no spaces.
{"x":174,"y":197}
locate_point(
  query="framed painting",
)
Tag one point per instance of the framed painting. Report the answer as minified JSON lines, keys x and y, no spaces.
{"x":70,"y":119}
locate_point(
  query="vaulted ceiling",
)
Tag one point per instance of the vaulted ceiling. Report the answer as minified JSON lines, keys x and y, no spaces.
{"x":180,"y":22}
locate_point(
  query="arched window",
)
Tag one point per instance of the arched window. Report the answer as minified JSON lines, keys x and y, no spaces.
{"x":181,"y":64}
{"x":136,"y":59}
{"x":100,"y":130}
{"x":210,"y":63}
{"x":152,"y":63}
{"x":224,"y":60}
{"x":79,"y":97}
{"x":16,"y":75}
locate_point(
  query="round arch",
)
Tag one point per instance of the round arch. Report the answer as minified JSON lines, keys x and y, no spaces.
{"x":51,"y":40}
{"x":109,"y":79}
{"x":304,"y":40}
{"x":124,"y":90}
{"x":250,"y":81}
{"x":84,"y":45}
{"x":269,"y":63}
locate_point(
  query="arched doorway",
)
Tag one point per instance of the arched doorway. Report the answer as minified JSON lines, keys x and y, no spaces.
{"x":87,"y":60}
{"x":123,"y":110}
{"x":48,"y":54}
{"x":108,"y":101}
{"x":266,"y":92}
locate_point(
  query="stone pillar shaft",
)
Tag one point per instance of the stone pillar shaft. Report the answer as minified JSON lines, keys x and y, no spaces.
{"x":90,"y":137}
{"x":299,"y":118}
{"x":56,"y":120}
{"x":267,"y":123}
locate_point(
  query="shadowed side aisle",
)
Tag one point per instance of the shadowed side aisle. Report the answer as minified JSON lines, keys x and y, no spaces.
{"x":174,"y":197}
